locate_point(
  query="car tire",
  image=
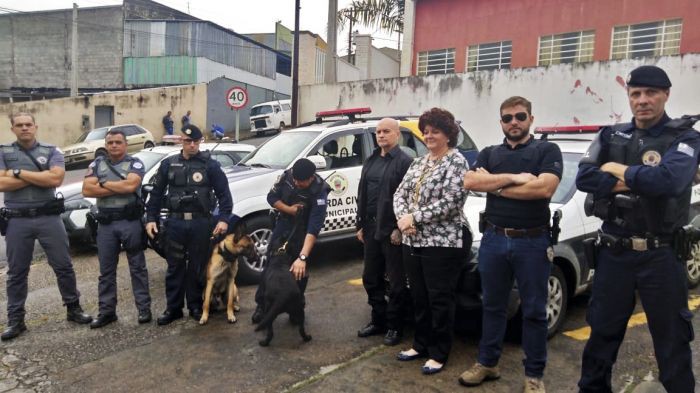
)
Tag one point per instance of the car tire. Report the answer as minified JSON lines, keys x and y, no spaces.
{"x":693,"y":266}
{"x":148,"y":145}
{"x":260,"y":229}
{"x":282,"y":125}
{"x":100,"y":153}
{"x":557,"y":300}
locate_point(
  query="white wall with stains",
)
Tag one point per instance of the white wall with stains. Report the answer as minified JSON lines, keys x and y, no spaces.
{"x":567,"y":94}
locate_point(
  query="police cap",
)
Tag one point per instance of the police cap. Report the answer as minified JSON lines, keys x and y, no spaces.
{"x":648,"y":76}
{"x":191,"y":131}
{"x":303,"y":169}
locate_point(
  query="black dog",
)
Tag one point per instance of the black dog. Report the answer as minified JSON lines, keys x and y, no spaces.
{"x":282,"y":294}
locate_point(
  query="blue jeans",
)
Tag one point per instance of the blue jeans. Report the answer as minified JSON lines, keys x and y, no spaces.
{"x":501,"y":259}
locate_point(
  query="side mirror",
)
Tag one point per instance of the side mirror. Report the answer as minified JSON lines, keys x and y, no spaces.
{"x":318,"y":161}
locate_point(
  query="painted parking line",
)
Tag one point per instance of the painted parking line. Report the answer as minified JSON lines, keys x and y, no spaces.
{"x":357,"y":282}
{"x":583,"y":333}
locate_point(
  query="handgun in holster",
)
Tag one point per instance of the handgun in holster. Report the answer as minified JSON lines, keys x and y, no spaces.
{"x":683,"y":240}
{"x":3,"y":221}
{"x":554,"y":230}
{"x":590,"y":250}
{"x":482,"y":221}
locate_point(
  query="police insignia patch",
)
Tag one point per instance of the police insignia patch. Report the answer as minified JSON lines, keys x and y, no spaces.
{"x":42,"y":160}
{"x":188,"y":131}
{"x":138,"y":165}
{"x":197,"y":176}
{"x":651,"y":158}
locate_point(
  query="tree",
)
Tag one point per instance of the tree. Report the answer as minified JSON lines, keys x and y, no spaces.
{"x":387,"y":15}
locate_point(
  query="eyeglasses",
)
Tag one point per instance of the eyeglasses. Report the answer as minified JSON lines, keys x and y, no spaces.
{"x":190,"y":141}
{"x":520,"y":116}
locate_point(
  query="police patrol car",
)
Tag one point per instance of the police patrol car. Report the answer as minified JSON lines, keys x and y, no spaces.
{"x":337,"y":147}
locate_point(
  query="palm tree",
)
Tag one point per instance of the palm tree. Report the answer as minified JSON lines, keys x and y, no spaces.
{"x":387,"y":15}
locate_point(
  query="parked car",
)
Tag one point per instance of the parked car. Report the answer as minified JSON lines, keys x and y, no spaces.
{"x":92,"y":143}
{"x":77,"y":206}
{"x":270,"y":116}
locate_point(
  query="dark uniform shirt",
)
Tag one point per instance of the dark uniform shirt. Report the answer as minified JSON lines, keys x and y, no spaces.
{"x":535,"y":157}
{"x":318,"y":205}
{"x":374,"y":179}
{"x":217,"y":179}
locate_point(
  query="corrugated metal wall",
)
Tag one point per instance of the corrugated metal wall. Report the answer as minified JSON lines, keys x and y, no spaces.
{"x":164,"y":70}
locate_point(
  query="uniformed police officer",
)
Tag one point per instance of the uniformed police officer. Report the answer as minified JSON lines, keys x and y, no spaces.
{"x":30,"y":171}
{"x":186,"y":185}
{"x":115,"y":181}
{"x":640,"y":176}
{"x":298,"y":188}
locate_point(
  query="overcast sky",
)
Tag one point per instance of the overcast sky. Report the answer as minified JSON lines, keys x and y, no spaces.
{"x":242,"y":16}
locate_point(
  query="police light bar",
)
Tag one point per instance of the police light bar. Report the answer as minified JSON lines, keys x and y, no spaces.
{"x":351,"y":113}
{"x":568,"y":129}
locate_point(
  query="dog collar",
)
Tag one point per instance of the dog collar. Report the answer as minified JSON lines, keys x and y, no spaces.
{"x":226,"y":254}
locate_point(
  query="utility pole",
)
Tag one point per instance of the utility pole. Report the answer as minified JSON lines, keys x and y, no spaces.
{"x":295,"y":65}
{"x":332,"y":34}
{"x":350,"y":59}
{"x":74,"y":54}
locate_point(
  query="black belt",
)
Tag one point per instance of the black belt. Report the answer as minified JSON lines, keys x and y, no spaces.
{"x":634,"y":243}
{"x":514,"y":232}
{"x":29,"y":213}
{"x":188,"y":215}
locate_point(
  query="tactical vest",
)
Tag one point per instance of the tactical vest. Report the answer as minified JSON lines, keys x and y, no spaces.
{"x":648,"y":215}
{"x":103,"y":173}
{"x":189,"y":188}
{"x":17,"y":159}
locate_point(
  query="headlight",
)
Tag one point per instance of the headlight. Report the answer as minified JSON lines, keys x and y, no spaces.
{"x":80,"y":150}
{"x":77,"y":204}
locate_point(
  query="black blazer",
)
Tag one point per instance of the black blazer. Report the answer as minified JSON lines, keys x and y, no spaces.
{"x":393,"y":174}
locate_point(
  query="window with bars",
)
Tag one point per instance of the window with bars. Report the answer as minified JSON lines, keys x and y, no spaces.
{"x":491,"y":56}
{"x":647,"y":39}
{"x":440,"y":61}
{"x":575,"y":47}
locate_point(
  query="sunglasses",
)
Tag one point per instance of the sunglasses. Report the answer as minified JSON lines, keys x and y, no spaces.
{"x":520,"y":116}
{"x":190,"y":141}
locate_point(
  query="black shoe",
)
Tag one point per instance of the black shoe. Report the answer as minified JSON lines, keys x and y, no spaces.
{"x":103,"y":320}
{"x":76,"y":314}
{"x":392,"y":337}
{"x":13,"y":330}
{"x":169,"y":316}
{"x":196,"y":314}
{"x":258,"y":314}
{"x":145,"y":316}
{"x":371,"y":330}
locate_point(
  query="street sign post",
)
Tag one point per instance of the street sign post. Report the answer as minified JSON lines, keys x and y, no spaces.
{"x":237,"y":98}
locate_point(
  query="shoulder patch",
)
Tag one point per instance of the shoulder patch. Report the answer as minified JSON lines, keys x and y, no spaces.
{"x":138,"y":165}
{"x":320,"y":202}
{"x":686,"y":149}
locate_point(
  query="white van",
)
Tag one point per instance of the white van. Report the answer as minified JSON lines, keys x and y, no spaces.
{"x":272,"y":115}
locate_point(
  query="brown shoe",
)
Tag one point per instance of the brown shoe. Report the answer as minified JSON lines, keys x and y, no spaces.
{"x":479,"y":373}
{"x":534,"y":385}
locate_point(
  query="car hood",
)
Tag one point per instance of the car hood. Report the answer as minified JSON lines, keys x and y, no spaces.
{"x":91,"y":145}
{"x":71,"y":190}
{"x":241,"y":172}
{"x":247,"y":182}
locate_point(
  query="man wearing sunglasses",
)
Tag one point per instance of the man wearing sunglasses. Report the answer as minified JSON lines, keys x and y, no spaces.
{"x":520,"y":175}
{"x":639,"y":176}
{"x":186,"y":185}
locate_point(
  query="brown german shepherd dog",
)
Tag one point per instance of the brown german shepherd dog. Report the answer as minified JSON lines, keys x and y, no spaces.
{"x":222,"y":269}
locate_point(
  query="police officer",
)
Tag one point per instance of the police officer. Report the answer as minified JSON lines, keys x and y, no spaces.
{"x":639,"y":175}
{"x":186,"y":185}
{"x":30,"y":171}
{"x":297,"y":188}
{"x":116,"y":183}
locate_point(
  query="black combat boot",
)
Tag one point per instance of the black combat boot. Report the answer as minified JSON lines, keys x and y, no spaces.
{"x":14,"y":329}
{"x":76,"y":314}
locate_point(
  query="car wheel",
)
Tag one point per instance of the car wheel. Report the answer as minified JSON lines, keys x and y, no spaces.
{"x":282,"y":125}
{"x":101,"y":153}
{"x":694,"y":266}
{"x":557,"y":300}
{"x":148,"y":145}
{"x":260,"y":230}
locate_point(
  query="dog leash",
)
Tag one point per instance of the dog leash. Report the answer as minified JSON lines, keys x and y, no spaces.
{"x":283,"y":248}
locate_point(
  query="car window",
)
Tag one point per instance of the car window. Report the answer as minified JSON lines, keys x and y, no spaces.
{"x":567,"y":185}
{"x":286,"y":107}
{"x":464,"y":142}
{"x":223,"y":158}
{"x":94,"y":135}
{"x":342,"y":150}
{"x":149,"y":158}
{"x":281,"y":150}
{"x":136,"y":130}
{"x":411,"y":145}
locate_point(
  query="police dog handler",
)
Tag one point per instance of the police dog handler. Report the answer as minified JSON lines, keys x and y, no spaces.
{"x":115,"y":181}
{"x":639,"y":176}
{"x":30,"y":171}
{"x":186,"y":185}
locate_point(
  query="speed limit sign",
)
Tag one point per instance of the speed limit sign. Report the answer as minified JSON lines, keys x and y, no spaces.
{"x":236,"y":97}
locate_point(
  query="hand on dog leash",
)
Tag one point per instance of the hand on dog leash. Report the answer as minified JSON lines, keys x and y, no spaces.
{"x":151,"y":229}
{"x":298,"y":269}
{"x":220,"y":229}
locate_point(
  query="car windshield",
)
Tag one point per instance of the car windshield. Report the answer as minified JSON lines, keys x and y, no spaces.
{"x":567,"y":185}
{"x":261,"y":110}
{"x":281,"y":150}
{"x":149,"y":158}
{"x":94,"y":135}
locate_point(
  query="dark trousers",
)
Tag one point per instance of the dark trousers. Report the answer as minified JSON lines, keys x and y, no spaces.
{"x":433,"y":273}
{"x":277,"y":232}
{"x":187,"y":252}
{"x":660,"y":280}
{"x":501,"y":259}
{"x":383,"y":258}
{"x":20,"y":237}
{"x":110,"y":240}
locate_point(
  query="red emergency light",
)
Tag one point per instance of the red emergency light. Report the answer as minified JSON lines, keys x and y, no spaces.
{"x":350,"y":112}
{"x":568,"y":129}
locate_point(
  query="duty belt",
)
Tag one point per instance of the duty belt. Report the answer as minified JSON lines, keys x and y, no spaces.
{"x":515,"y":232}
{"x":29,"y":212}
{"x":109,"y":217}
{"x":188,"y":215}
{"x":635,"y":243}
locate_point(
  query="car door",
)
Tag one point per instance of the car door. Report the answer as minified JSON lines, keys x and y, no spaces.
{"x":344,"y":151}
{"x":136,"y":138}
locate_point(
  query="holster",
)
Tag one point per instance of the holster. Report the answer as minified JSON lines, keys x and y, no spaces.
{"x":3,"y":222}
{"x":482,"y":221}
{"x":683,"y":240}
{"x":91,"y":221}
{"x":591,"y":246}
{"x":554,"y":230}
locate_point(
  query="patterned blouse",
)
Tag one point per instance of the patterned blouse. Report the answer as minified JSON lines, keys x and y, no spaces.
{"x":433,"y":192}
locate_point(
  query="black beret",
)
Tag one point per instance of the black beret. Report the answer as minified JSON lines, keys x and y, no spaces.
{"x":648,"y":76}
{"x":303,"y":169}
{"x":191,"y":131}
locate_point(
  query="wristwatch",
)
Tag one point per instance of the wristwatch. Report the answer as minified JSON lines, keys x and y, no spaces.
{"x":302,"y":257}
{"x":16,"y":172}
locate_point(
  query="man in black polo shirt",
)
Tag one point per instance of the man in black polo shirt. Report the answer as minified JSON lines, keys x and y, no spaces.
{"x":520,"y":175}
